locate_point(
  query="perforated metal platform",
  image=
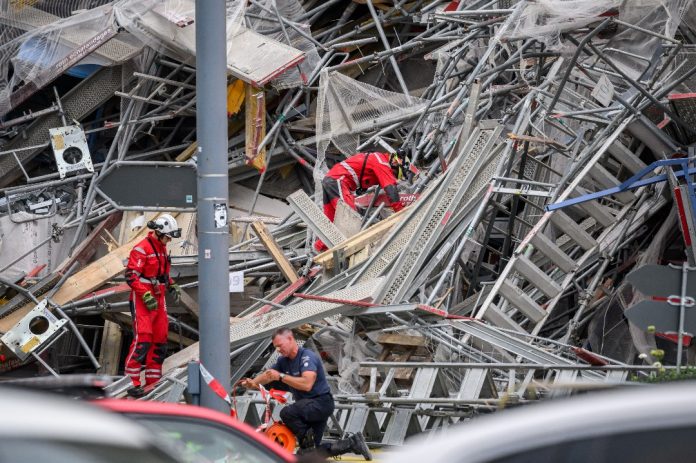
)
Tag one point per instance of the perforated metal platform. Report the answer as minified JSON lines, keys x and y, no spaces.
{"x":315,"y":218}
{"x":460,"y":178}
{"x":259,"y":327}
{"x":398,"y":238}
{"x":302,"y":312}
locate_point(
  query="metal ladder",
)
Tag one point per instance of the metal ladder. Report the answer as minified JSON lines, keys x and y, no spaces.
{"x":541,"y":268}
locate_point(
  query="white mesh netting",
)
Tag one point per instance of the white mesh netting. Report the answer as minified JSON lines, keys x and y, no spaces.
{"x":545,"y":20}
{"x":162,"y":24}
{"x":633,"y":50}
{"x":346,"y":108}
{"x":37,"y":34}
{"x":33,"y":41}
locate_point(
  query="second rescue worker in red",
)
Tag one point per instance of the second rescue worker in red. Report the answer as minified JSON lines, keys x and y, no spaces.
{"x":147,"y":273}
{"x":360,"y":172}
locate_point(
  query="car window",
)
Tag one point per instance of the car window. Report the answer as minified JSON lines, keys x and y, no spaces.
{"x":34,"y":450}
{"x":673,"y":445}
{"x":197,"y":440}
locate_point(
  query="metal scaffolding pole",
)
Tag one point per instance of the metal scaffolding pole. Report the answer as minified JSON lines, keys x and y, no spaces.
{"x":211,"y":124}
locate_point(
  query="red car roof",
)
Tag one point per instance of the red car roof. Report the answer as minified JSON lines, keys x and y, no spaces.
{"x":142,"y":407}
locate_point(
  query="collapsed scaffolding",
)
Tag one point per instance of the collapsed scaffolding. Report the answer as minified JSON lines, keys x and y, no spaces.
{"x":532,"y":124}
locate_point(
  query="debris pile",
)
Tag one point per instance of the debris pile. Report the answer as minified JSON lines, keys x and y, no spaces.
{"x":551,"y":145}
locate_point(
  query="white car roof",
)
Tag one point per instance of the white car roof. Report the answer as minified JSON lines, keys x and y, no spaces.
{"x":33,"y":416}
{"x":536,"y":425}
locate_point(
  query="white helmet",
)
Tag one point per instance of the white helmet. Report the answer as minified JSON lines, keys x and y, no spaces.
{"x":165,"y":224}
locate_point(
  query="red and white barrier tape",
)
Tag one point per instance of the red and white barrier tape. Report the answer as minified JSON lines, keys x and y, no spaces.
{"x":215,"y":385}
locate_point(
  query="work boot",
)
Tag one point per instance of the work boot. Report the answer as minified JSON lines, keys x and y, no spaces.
{"x":307,"y":442}
{"x":359,"y":446}
{"x":340,"y":447}
{"x":136,"y":392}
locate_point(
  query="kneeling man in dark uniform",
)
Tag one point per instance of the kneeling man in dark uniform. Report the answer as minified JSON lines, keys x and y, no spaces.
{"x":302,"y":372}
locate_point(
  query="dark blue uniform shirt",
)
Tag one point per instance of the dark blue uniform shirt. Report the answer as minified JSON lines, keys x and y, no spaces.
{"x":305,"y":360}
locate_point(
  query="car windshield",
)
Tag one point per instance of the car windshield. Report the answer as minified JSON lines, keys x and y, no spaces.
{"x":201,"y":441}
{"x":14,"y":450}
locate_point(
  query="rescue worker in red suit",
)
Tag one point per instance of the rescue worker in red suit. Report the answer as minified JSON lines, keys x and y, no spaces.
{"x":147,"y":273}
{"x":359,"y":172}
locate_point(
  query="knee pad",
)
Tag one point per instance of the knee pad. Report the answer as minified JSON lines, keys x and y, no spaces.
{"x":140,"y":353}
{"x":160,"y":353}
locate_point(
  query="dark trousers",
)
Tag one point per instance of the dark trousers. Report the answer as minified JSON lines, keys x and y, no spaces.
{"x":306,"y":414}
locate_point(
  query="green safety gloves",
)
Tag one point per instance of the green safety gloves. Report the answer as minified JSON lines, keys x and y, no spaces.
{"x":175,"y":291}
{"x":150,"y":301}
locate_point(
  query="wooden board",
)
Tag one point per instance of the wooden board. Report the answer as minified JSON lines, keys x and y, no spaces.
{"x":86,"y":249}
{"x":401,"y":339}
{"x":255,"y":117}
{"x":235,"y":97}
{"x":361,"y":240}
{"x":276,"y":252}
{"x":190,"y":304}
{"x":187,"y":153}
{"x":110,"y":352}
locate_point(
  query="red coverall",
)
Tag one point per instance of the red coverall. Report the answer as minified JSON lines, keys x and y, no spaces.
{"x":342,"y":180}
{"x":148,"y":270}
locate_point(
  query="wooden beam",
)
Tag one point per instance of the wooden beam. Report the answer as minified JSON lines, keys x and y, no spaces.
{"x":187,"y":153}
{"x":358,"y":242}
{"x":401,"y":339}
{"x":110,"y":352}
{"x":255,"y":122}
{"x":236,"y":93}
{"x":86,"y":249}
{"x":276,"y":252}
{"x":190,"y":304}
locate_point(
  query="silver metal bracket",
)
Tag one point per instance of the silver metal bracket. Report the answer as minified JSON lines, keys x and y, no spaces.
{"x":70,"y":149}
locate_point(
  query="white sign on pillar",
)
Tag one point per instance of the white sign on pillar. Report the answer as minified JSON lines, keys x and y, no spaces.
{"x":236,"y":282}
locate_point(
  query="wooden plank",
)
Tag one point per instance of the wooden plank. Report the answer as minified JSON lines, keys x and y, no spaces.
{"x":361,"y":240}
{"x":235,"y":97}
{"x":86,"y":249}
{"x":255,"y":117}
{"x":276,"y":252}
{"x":110,"y":352}
{"x":401,"y":339}
{"x":190,"y":304}
{"x":189,"y":151}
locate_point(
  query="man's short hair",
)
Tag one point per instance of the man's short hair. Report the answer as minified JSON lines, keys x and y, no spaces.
{"x":282,"y":332}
